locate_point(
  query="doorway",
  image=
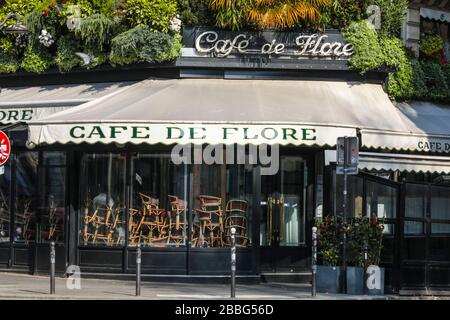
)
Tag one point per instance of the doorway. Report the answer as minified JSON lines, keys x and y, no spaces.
{"x":282,"y":221}
{"x":425,"y":257}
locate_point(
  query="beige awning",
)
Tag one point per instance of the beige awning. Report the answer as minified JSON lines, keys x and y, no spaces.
{"x":424,"y":126}
{"x":23,"y":104}
{"x":223,"y":111}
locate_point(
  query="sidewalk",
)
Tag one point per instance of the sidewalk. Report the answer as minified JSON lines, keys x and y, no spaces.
{"x":19,"y":286}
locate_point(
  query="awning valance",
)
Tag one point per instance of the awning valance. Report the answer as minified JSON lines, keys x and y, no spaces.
{"x":438,"y":15}
{"x":23,"y":104}
{"x":396,"y":162}
{"x":402,"y":162}
{"x":222,"y":111}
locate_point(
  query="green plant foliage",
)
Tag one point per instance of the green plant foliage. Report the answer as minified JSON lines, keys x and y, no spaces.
{"x":36,"y":61}
{"x":96,"y":30}
{"x":436,"y":80}
{"x":430,"y":45}
{"x":142,"y":44}
{"x":395,"y":57}
{"x":154,"y":13}
{"x":90,"y":7}
{"x":419,"y":80}
{"x":231,"y":14}
{"x":8,"y":63}
{"x":328,"y":244}
{"x":368,"y":52}
{"x":342,"y":13}
{"x":195,"y":12}
{"x":22,"y":7}
{"x":365,"y":232}
{"x":66,"y":59}
{"x":393,"y":14}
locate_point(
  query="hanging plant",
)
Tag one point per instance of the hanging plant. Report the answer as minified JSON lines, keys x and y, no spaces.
{"x":95,"y":30}
{"x":66,"y":59}
{"x":141,"y":44}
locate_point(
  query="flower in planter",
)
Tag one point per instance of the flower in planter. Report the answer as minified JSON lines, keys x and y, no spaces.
{"x":46,"y":38}
{"x":175,"y":24}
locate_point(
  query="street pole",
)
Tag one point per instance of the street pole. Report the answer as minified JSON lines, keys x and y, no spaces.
{"x":138,"y":270}
{"x":344,"y":245}
{"x":233,"y":262}
{"x":52,"y":267}
{"x":366,"y":257}
{"x":314,"y":260}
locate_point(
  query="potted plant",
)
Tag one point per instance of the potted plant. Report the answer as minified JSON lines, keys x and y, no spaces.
{"x":375,"y":273}
{"x":328,"y":269}
{"x":365,"y":235}
{"x":356,"y":239}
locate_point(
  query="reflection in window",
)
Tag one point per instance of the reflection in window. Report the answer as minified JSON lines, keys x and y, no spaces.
{"x":440,"y":203}
{"x":26,"y":196}
{"x":222,"y":201}
{"x":5,"y":214}
{"x":440,"y":228}
{"x":413,"y":228}
{"x":355,"y":195}
{"x":415,"y":201}
{"x":52,"y":190}
{"x":158,"y":208}
{"x":103,"y":199}
{"x":381,"y":200}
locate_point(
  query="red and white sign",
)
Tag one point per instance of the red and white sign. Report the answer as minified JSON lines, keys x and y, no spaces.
{"x":5,"y":148}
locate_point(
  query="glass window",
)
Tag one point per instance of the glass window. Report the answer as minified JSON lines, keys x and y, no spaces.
{"x":415,"y":201}
{"x":440,"y":203}
{"x":158,"y":207}
{"x":103,"y":199}
{"x":381,"y":200}
{"x":26,"y":201}
{"x":413,"y":228}
{"x":52,"y":192}
{"x":5,"y":213}
{"x":355,"y":195}
{"x":222,"y":200}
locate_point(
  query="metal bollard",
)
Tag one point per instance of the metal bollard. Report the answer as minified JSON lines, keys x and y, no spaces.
{"x":138,"y":270}
{"x":52,"y":267}
{"x":366,"y":258}
{"x":314,"y":261}
{"x":233,"y":262}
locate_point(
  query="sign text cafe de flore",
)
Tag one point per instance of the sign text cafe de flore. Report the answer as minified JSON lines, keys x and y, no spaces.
{"x":198,"y":133}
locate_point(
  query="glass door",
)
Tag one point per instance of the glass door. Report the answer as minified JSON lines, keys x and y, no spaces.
{"x":282,"y":222}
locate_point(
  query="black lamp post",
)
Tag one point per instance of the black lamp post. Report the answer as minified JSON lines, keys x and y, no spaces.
{"x":17,"y":28}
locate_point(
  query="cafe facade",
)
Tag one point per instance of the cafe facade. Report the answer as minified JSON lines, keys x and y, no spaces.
{"x":240,"y":131}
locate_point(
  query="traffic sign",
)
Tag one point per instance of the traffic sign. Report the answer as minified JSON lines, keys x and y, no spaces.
{"x":347,"y":150}
{"x":5,"y":148}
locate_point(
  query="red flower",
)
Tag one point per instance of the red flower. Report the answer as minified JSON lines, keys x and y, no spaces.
{"x":373,"y":220}
{"x":46,"y":12}
{"x":442,"y":57}
{"x":52,"y":5}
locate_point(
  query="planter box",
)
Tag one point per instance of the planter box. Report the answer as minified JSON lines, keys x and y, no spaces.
{"x":375,"y":281}
{"x":355,"y":280}
{"x":328,"y":279}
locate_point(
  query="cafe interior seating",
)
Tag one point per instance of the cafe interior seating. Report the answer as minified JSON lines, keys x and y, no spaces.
{"x":102,"y":226}
{"x":210,"y":217}
{"x":177,"y":216}
{"x":236,"y":211}
{"x":152,"y":225}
